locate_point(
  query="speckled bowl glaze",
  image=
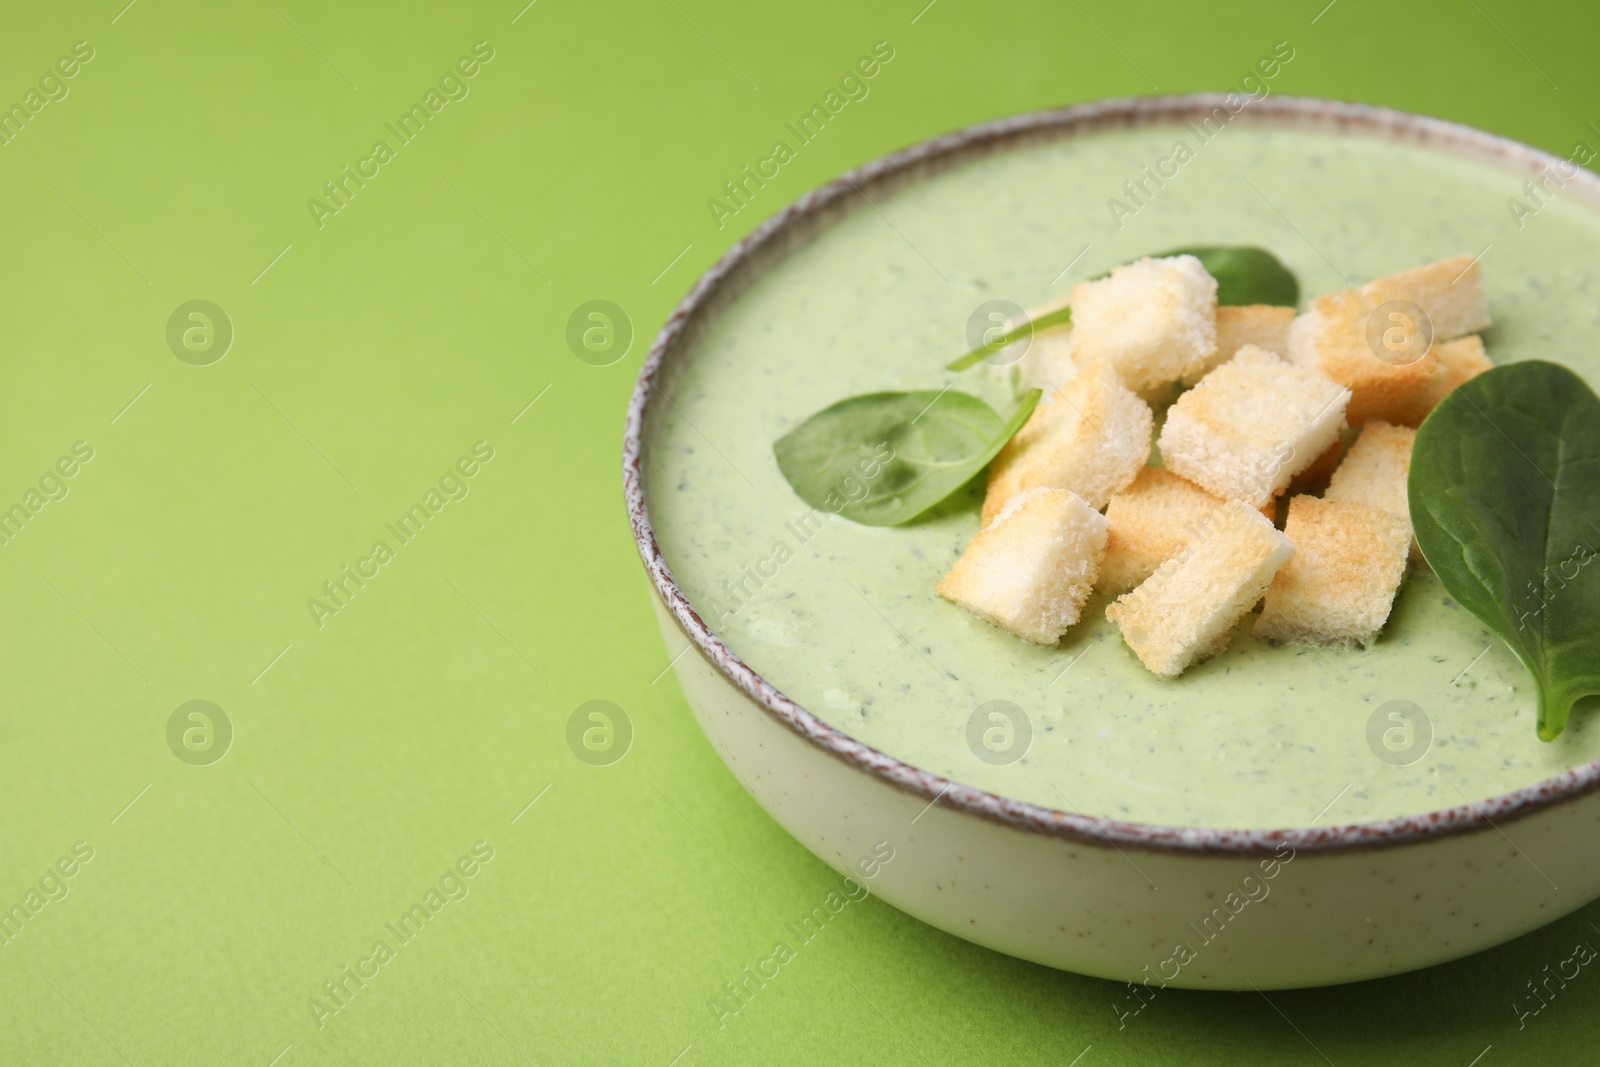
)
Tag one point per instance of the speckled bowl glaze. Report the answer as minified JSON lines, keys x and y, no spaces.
{"x":1168,"y":905}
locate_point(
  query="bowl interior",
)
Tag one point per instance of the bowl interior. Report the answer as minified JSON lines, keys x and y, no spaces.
{"x":868,"y":284}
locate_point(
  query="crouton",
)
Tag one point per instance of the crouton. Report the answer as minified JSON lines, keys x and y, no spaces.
{"x":1031,"y":569}
{"x":1333,"y":338}
{"x":1148,"y":523}
{"x":1050,"y":361}
{"x":1263,"y":325}
{"x":1185,"y":610}
{"x":1251,"y":425}
{"x":1349,"y":559}
{"x":1155,"y":320}
{"x":1384,"y":357}
{"x":1375,"y":472}
{"x":1450,"y":291}
{"x":1091,"y":436}
{"x":1460,"y":360}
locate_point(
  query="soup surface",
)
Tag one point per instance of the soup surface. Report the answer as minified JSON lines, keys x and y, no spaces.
{"x":843,"y":618}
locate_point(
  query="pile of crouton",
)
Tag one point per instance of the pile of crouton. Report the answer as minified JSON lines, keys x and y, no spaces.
{"x":1193,"y":545}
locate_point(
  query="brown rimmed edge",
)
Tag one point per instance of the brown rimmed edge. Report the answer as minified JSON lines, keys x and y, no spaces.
{"x":810,"y":214}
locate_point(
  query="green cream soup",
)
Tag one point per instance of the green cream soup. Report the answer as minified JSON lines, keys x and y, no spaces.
{"x":843,"y":619}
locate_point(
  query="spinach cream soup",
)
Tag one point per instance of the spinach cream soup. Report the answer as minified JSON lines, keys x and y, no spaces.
{"x":843,"y":619}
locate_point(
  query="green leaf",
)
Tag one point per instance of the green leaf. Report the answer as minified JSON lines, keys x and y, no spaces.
{"x":1505,"y":498}
{"x":1026,"y":329}
{"x":884,"y":458}
{"x":1245,"y":275}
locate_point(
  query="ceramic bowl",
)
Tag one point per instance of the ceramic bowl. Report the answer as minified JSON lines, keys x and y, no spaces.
{"x":1169,"y":905}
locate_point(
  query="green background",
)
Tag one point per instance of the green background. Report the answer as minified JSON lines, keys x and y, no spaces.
{"x":424,"y":717}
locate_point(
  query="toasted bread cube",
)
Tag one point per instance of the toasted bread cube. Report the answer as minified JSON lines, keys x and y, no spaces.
{"x":1333,"y":338}
{"x":1449,"y":290}
{"x":1155,"y":320}
{"x":1348,"y":561}
{"x":1185,"y":610}
{"x":1031,"y":569}
{"x":1263,"y":325}
{"x":1460,"y":361}
{"x":1251,"y":425}
{"x":1092,"y":437}
{"x":1148,"y":523}
{"x":1375,"y":470}
{"x":1375,"y":473}
{"x":1345,"y":335}
{"x":1050,"y":361}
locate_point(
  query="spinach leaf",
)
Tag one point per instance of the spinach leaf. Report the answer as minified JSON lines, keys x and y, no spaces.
{"x":1016,"y":333}
{"x":884,"y":458}
{"x":1505,"y":498}
{"x":1245,"y":275}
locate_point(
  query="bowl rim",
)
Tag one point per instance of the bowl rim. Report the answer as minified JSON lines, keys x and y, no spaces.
{"x":969,"y":143}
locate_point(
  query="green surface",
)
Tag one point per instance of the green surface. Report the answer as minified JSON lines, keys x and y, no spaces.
{"x":371,"y":754}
